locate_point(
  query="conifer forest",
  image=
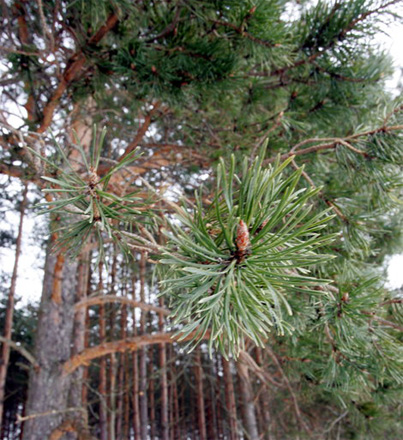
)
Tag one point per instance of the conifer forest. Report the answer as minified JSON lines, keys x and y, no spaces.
{"x":216,"y":188}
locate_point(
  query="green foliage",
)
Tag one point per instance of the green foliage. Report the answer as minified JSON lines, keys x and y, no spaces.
{"x":82,"y":202}
{"x":235,"y":282}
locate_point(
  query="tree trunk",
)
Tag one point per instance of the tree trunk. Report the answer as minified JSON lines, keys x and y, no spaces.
{"x":164,"y":380}
{"x":151,"y":393}
{"x":230,"y":399}
{"x":248,"y":404}
{"x":143,"y":356}
{"x":201,"y":418}
{"x":136,"y":407}
{"x":79,"y":331}
{"x":48,"y":386}
{"x":121,"y":376}
{"x":264,"y":401}
{"x":113,"y":364}
{"x":8,"y":323}
{"x":102,"y":365}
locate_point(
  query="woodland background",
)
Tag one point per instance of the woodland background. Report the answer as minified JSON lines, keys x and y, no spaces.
{"x":190,"y":82}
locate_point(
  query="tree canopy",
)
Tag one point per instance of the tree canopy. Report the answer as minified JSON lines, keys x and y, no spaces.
{"x":233,"y":170}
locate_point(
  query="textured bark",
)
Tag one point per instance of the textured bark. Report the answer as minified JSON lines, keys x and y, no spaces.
{"x":151,"y":394}
{"x":230,"y":399}
{"x":143,"y":356}
{"x":212,"y":403}
{"x":136,"y":407}
{"x":201,"y":417}
{"x":176,"y":415}
{"x":248,"y":402}
{"x":84,"y":392}
{"x":264,"y":401}
{"x":121,"y":377}
{"x":113,"y":365}
{"x":102,"y":366}
{"x":79,"y":329}
{"x":164,"y":380}
{"x":8,"y":323}
{"x":48,"y":387}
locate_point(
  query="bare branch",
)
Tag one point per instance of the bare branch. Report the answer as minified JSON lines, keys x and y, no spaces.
{"x":24,"y":352}
{"x":120,"y":346}
{"x":97,"y":300}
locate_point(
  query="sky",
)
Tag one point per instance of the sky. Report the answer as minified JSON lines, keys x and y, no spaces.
{"x":30,"y":273}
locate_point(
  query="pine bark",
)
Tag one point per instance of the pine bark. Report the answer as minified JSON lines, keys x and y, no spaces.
{"x":201,"y":417}
{"x":102,"y":366}
{"x":230,"y":399}
{"x":143,"y":357}
{"x":248,"y":402}
{"x":79,"y":331}
{"x":164,"y":380}
{"x":48,"y":386}
{"x":136,"y":406}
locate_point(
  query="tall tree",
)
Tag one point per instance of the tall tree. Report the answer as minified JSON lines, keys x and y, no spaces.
{"x":285,"y":240}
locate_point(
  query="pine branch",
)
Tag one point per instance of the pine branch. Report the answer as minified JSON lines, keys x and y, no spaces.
{"x":334,"y":142}
{"x":104,"y":299}
{"x":73,"y":67}
{"x":120,"y":346}
{"x":24,"y":352}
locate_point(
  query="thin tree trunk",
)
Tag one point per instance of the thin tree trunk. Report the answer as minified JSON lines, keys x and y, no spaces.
{"x":112,"y":396}
{"x":121,"y":375}
{"x":248,"y":403}
{"x":143,"y":355}
{"x":230,"y":399}
{"x":126,"y":402}
{"x":8,"y":322}
{"x":151,"y":379}
{"x":164,"y":381}
{"x":151,"y":393}
{"x":218,"y":400}
{"x":113,"y":358}
{"x":102,"y":365}
{"x":136,"y":406}
{"x":212,"y":404}
{"x":264,"y":402}
{"x":201,"y":418}
{"x":84,"y":391}
{"x":176,"y":408}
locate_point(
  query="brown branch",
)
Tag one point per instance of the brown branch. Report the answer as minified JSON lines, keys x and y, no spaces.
{"x":27,"y":355}
{"x":128,"y":344}
{"x":263,"y":375}
{"x":243,"y":33}
{"x":73,"y":67}
{"x":328,"y":202}
{"x":391,"y":301}
{"x":383,"y":321}
{"x":141,"y":131}
{"x":334,"y":142}
{"x":48,"y":413}
{"x":97,"y":300}
{"x":170,"y":28}
{"x":297,"y":410}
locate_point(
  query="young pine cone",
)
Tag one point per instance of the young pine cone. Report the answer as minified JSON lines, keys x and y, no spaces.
{"x":242,"y":241}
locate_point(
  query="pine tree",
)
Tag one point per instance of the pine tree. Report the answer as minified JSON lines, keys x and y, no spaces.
{"x":249,"y":174}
